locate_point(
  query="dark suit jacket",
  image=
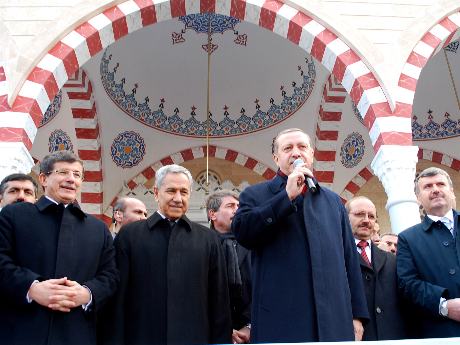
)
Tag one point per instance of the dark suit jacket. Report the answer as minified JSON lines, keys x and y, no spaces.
{"x":385,"y":310}
{"x":307,"y":284}
{"x":428,"y":267}
{"x":172,"y":291}
{"x":29,"y":235}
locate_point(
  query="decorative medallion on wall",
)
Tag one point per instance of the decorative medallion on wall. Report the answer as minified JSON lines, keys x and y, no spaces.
{"x":52,"y":110}
{"x":352,"y":150}
{"x":209,"y":23}
{"x":229,"y":123}
{"x":59,"y":141}
{"x":128,"y":149}
{"x":433,"y":130}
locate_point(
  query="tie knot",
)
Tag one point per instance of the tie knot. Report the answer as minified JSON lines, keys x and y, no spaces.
{"x":362,"y":244}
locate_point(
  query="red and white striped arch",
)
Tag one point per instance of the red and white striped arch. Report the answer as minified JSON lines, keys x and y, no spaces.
{"x":440,"y":158}
{"x":80,"y":92}
{"x":366,"y":174}
{"x":440,"y":35}
{"x":356,"y":184}
{"x":327,"y":130}
{"x":191,"y":154}
{"x":89,"y":38}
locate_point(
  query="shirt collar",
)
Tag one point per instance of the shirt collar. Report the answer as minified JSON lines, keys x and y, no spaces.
{"x":447,"y":219}
{"x":357,"y":240}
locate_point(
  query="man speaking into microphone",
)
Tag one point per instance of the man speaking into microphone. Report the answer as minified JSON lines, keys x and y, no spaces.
{"x":307,"y":283}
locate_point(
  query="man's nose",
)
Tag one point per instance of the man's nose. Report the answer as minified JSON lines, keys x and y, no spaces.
{"x":177,"y":196}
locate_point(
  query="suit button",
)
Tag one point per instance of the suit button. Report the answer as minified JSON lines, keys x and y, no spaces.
{"x":368,"y":277}
{"x":378,"y":310}
{"x":269,"y":220}
{"x":452,"y":271}
{"x":445,"y":243}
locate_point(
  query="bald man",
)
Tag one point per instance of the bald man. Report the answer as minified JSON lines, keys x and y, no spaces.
{"x":127,"y":210}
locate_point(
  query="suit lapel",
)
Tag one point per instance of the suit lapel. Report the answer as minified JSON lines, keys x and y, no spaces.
{"x":378,"y":258}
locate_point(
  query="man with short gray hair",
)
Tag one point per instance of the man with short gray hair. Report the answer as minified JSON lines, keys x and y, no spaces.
{"x":173,"y":287}
{"x":428,"y":258}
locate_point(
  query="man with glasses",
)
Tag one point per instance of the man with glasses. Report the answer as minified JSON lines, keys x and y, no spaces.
{"x":57,"y":264}
{"x":378,"y":269}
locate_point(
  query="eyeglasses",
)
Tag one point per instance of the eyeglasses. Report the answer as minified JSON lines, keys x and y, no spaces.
{"x":363,"y":215}
{"x":77,"y":175}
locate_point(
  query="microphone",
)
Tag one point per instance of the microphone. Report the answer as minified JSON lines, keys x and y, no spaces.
{"x":308,"y":180}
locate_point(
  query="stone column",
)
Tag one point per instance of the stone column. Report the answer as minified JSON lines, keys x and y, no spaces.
{"x":395,"y":167}
{"x":14,"y":158}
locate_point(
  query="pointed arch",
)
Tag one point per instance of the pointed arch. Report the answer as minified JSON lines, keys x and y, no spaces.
{"x":87,"y":39}
{"x":80,"y":92}
{"x":327,"y":130}
{"x":438,"y":37}
{"x":191,"y":154}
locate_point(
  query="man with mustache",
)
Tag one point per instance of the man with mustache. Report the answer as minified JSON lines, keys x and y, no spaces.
{"x":173,"y":287}
{"x":57,"y":263}
{"x":17,"y":188}
{"x":378,"y":270}
{"x":306,"y":279}
{"x":428,"y":258}
{"x":221,"y":207}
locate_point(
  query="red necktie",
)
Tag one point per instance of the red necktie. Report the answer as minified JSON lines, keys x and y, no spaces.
{"x":362,"y":245}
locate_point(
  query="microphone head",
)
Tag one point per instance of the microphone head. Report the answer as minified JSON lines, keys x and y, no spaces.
{"x":297,"y":162}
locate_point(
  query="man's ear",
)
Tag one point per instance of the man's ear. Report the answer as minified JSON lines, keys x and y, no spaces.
{"x":155,"y":193}
{"x":42,"y":179}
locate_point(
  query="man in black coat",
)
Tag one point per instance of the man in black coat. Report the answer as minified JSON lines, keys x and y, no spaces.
{"x":173,"y":287}
{"x":378,"y":269}
{"x":306,"y":279}
{"x":221,"y":207}
{"x":57,"y":264}
{"x":428,"y":258}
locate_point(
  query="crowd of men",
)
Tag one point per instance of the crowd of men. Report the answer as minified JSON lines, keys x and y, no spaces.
{"x":285,"y":261}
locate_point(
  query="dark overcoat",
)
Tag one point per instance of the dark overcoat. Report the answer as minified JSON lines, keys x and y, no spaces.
{"x":383,"y":301}
{"x":428,"y":268}
{"x":307,"y":284}
{"x":181,"y":298}
{"x":29,"y":235}
{"x":240,"y":296}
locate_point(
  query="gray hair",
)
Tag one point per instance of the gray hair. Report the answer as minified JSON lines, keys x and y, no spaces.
{"x":214,"y":200}
{"x":171,"y":169}
{"x":120,"y":205}
{"x":429,"y":172}
{"x":289,"y":130}
{"x":388,"y":234}
{"x":47,"y":164}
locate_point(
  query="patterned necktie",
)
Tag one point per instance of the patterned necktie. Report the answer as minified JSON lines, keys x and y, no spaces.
{"x":362,"y":245}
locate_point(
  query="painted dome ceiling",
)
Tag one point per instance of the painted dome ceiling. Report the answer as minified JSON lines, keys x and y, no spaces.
{"x":162,"y":82}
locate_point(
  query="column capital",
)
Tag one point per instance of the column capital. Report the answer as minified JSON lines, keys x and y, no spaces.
{"x":395,"y":167}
